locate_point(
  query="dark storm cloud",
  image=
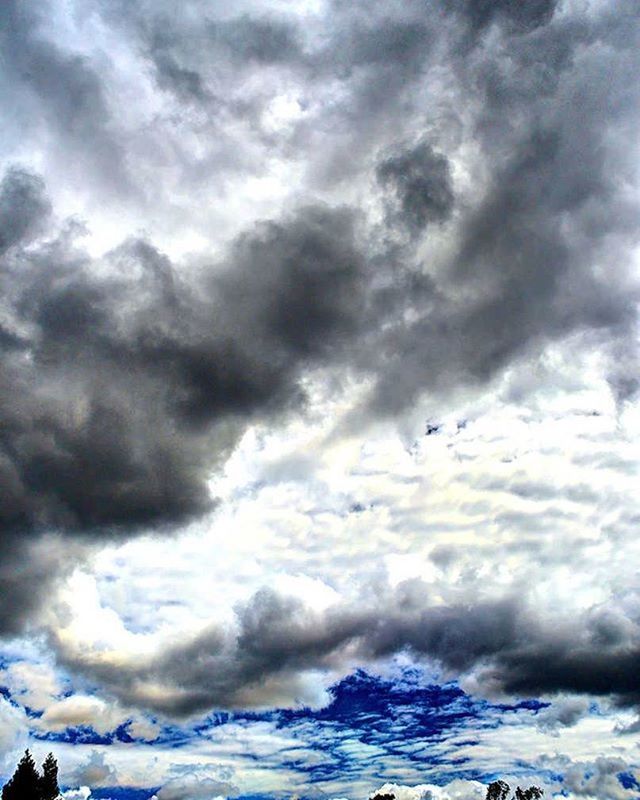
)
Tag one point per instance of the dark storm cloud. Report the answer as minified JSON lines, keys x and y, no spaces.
{"x":277,"y":637}
{"x":27,"y":570}
{"x":118,"y":371}
{"x":123,"y":385}
{"x":500,"y":643}
{"x":420,"y":180}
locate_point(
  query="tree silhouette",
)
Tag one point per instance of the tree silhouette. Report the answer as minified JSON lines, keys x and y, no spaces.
{"x":499,"y":790}
{"x":532,"y":793}
{"x":49,"y":789}
{"x":28,"y":784}
{"x":25,"y":783}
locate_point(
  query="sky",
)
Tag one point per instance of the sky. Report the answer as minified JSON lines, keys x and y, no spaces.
{"x":320,"y":397}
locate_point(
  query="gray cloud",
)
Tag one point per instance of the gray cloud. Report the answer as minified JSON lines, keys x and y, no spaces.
{"x":519,"y":17}
{"x":499,"y":643}
{"x":526,"y":266}
{"x":123,"y":384}
{"x":95,"y":771}
{"x":244,"y":42}
{"x":23,"y":207}
{"x":563,"y":713}
{"x":420,"y":179}
{"x":60,"y":92}
{"x":597,"y":778}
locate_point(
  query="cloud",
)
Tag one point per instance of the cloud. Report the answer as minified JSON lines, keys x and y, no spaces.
{"x":420,"y":179}
{"x":81,"y":793}
{"x":28,"y":568}
{"x":499,"y":645}
{"x":95,"y":772}
{"x":496,"y":135}
{"x":36,"y":685}
{"x":60,"y":91}
{"x":122,"y":389}
{"x":81,"y":710}
{"x":13,"y":730}
{"x":455,"y":790}
{"x":191,"y":787}
{"x":563,"y":713}
{"x":176,"y":374}
{"x":600,"y":778}
{"x":143,"y":729}
{"x":23,"y":206}
{"x":519,"y":18}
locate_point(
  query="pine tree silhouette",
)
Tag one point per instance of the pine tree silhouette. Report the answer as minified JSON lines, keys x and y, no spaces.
{"x":49,"y":789}
{"x":25,"y":783}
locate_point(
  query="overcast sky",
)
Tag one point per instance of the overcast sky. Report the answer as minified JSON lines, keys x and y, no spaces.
{"x":320,"y":396}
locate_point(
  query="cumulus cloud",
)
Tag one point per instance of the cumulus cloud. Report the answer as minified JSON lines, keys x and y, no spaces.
{"x":13,"y":729}
{"x":600,"y":778}
{"x":455,"y":790}
{"x":563,"y":713}
{"x":95,"y":772}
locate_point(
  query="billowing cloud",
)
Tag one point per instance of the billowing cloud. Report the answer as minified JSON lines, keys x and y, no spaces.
{"x":135,"y":379}
{"x":605,"y":777}
{"x":81,"y":793}
{"x":124,"y":385}
{"x":499,"y":644}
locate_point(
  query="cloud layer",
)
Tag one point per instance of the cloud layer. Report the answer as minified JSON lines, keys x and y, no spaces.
{"x":238,"y":247}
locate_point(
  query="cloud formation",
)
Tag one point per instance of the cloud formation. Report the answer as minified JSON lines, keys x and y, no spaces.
{"x":124,"y":385}
{"x":414,"y":198}
{"x":499,"y":645}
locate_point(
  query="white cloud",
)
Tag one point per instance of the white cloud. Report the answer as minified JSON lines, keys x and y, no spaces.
{"x":81,"y":793}
{"x":35,"y":685}
{"x":456,"y":790}
{"x":77,"y":710}
{"x":13,"y":733}
{"x":141,"y":728}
